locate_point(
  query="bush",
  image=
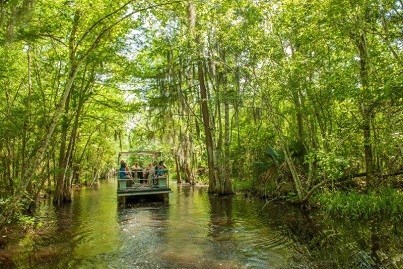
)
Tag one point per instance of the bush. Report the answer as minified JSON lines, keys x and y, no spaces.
{"x":384,"y":203}
{"x":242,"y":185}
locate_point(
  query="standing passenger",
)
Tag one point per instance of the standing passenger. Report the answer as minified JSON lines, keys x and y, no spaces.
{"x":153,"y":173}
{"x":161,"y":169}
{"x":135,"y":168}
{"x":124,"y":170}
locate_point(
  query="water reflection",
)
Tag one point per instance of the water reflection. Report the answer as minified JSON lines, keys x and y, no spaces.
{"x":221,"y":234}
{"x":195,"y":230}
{"x":357,"y":244}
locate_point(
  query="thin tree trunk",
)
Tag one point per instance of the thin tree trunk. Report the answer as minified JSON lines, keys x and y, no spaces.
{"x":177,"y":166}
{"x":59,"y":189}
{"x":227,"y":169}
{"x":28,"y":108}
{"x":294,"y":173}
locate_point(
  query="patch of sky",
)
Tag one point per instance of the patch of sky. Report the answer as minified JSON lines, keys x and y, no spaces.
{"x":103,"y":78}
{"x":395,"y":10}
{"x":136,"y":90}
{"x":150,"y":28}
{"x":399,"y":44}
{"x":135,"y":42}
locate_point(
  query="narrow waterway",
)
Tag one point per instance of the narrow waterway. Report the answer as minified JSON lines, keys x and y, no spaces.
{"x":195,"y":230}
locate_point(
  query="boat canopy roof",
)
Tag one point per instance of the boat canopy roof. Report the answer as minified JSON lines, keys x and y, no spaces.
{"x":140,"y":153}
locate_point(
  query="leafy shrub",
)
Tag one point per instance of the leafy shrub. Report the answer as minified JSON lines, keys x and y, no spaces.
{"x":243,"y":185}
{"x":383,"y":203}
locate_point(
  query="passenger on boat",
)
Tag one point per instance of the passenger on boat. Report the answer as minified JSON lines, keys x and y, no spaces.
{"x":153,"y":173}
{"x":136,"y":166}
{"x":146,"y":171}
{"x":137,"y":172}
{"x":124,"y":171}
{"x":161,"y":169}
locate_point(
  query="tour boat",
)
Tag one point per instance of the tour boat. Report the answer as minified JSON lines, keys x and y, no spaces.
{"x":139,"y":182}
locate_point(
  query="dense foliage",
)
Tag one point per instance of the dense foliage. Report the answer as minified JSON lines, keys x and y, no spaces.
{"x":363,"y":206}
{"x":288,"y":95}
{"x":280,"y":96}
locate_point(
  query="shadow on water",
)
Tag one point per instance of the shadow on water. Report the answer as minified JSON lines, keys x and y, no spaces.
{"x":323,"y":242}
{"x":195,"y":230}
{"x":357,"y":244}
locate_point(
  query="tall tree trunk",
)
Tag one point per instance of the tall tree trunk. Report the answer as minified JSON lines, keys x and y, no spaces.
{"x":206,"y":118}
{"x":59,"y":186}
{"x":223,"y":141}
{"x":365,"y":108}
{"x":207,"y":128}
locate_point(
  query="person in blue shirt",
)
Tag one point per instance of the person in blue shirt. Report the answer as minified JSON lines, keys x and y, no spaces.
{"x":160,"y":169}
{"x":124,"y":170}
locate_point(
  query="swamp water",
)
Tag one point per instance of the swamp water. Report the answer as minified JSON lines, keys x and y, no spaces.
{"x":195,"y":230}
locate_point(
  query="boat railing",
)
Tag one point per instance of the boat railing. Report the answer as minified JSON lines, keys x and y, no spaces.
{"x":138,"y":179}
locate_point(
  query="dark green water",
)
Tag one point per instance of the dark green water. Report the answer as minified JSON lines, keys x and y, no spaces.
{"x":194,"y":230}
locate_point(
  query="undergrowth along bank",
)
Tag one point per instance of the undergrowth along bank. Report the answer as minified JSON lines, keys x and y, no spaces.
{"x":382,"y":203}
